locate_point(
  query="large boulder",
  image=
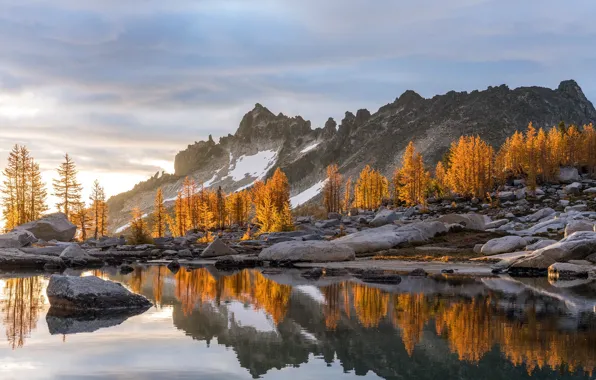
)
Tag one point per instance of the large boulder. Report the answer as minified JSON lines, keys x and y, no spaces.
{"x":390,"y":236}
{"x":76,"y":256}
{"x":469,"y":221}
{"x":578,"y":225}
{"x":569,"y":271}
{"x":16,"y":239}
{"x":217,"y":248}
{"x":12,"y":258}
{"x":92,"y":293}
{"x":576,"y":246}
{"x":504,"y":244}
{"x":384,"y":217}
{"x":52,"y":227}
{"x":568,"y":175}
{"x":307,"y":251}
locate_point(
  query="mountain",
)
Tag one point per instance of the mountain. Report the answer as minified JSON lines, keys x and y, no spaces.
{"x":265,"y":141}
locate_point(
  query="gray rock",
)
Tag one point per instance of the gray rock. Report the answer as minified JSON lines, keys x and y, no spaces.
{"x":238,"y":262}
{"x":504,"y":244}
{"x":328,"y":223}
{"x":578,"y":208}
{"x":478,"y":248}
{"x":578,"y":225}
{"x":591,"y":190}
{"x":52,"y":227}
{"x":334,"y":215}
{"x":389,"y":236}
{"x":12,"y":258}
{"x":92,"y":293}
{"x":569,"y":271}
{"x":505,"y":196}
{"x":217,"y":248}
{"x":308,"y":251}
{"x":16,"y":239}
{"x":185,"y":253}
{"x":574,"y":188}
{"x":496,"y":224}
{"x":384,"y":217}
{"x":110,"y":242}
{"x":75,"y":255}
{"x":52,"y":250}
{"x":538,"y":215}
{"x":470,"y":221}
{"x":540,"y":244}
{"x":568,"y":175}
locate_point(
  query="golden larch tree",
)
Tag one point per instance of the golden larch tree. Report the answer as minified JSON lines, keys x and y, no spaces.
{"x":66,"y":187}
{"x":332,"y":189}
{"x":159,"y":215}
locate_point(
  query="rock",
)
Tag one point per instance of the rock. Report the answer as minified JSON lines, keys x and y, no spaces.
{"x":185,"y":253}
{"x":328,"y":223}
{"x":126,"y":268}
{"x":568,"y":271}
{"x":64,"y":322}
{"x":52,"y":250}
{"x":12,"y":258}
{"x":354,"y":211}
{"x":384,"y":217}
{"x":591,"y":190}
{"x":92,"y":293}
{"x":574,"y":188}
{"x":520,"y":193}
{"x":496,"y":224}
{"x":308,"y":251}
{"x":238,"y":262}
{"x":564,"y":202}
{"x":577,"y":208}
{"x":568,"y":175}
{"x":378,"y":277}
{"x":390,"y":236}
{"x":54,"y":226}
{"x":578,"y":225}
{"x":174,"y":266}
{"x":334,"y":215}
{"x":110,"y":242}
{"x":74,"y":255}
{"x":540,"y":244}
{"x":16,"y":239}
{"x":478,"y":248}
{"x":505,"y":196}
{"x":577,"y":246}
{"x":313,"y":274}
{"x":470,"y":221}
{"x":217,"y":248}
{"x":418,"y":272}
{"x":447,"y":271}
{"x":162,"y":241}
{"x":538,"y":215}
{"x":504,"y":244}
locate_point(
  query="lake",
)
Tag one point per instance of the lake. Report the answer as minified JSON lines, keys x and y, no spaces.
{"x":276,"y":325}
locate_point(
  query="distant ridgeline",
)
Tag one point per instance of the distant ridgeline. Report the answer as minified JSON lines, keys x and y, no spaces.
{"x":265,"y":141}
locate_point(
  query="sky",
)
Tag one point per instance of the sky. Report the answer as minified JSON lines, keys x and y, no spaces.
{"x":122,"y":85}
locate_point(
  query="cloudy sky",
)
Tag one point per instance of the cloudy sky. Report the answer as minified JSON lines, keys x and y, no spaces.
{"x":122,"y":85}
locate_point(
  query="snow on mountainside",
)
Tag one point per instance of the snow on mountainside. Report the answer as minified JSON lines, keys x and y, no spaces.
{"x":265,"y":141}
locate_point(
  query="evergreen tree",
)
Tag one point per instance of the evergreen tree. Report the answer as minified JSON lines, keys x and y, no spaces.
{"x":98,"y":205}
{"x":66,"y":188}
{"x":139,"y":228}
{"x":81,"y":217}
{"x":332,"y":189}
{"x":159,"y":215}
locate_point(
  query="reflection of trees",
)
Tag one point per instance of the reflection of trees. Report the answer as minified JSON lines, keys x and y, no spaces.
{"x":23,"y":300}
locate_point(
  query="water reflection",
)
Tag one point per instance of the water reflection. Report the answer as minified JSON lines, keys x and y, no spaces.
{"x":422,"y":328}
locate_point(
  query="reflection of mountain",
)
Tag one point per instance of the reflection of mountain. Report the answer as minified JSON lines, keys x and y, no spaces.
{"x":21,"y":305}
{"x":422,"y":328}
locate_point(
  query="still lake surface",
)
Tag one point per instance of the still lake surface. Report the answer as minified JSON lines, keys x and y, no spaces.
{"x":220,"y":325}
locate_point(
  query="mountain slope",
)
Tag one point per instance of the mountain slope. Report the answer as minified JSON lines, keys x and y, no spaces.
{"x":265,"y":141}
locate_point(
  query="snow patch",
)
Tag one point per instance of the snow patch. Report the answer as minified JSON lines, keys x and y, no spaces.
{"x":255,"y":166}
{"x":247,"y":316}
{"x":310,"y":147}
{"x":311,"y":291}
{"x":308,"y":194}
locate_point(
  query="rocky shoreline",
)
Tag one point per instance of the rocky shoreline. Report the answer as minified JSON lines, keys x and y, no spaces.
{"x":546,"y":232}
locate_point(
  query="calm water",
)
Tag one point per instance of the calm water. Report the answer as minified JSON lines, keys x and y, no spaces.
{"x":243,"y":325}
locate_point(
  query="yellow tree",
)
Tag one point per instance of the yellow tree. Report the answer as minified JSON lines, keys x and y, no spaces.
{"x":411,"y":179}
{"x":138,"y":227}
{"x":531,"y":157}
{"x":589,"y":148}
{"x":180,"y":222}
{"x":66,"y":187}
{"x":347,"y":203}
{"x":471,"y":170}
{"x":98,"y":204}
{"x":370,"y":189}
{"x":82,"y":219}
{"x":159,"y":215}
{"x":441,"y":179}
{"x":332,"y":189}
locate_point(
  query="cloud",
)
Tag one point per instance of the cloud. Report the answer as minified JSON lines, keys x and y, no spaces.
{"x":123,"y":84}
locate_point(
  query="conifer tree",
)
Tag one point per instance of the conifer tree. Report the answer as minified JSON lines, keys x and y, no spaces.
{"x":332,"y":189}
{"x":441,"y":179}
{"x":220,"y":207}
{"x":37,"y":192}
{"x":139,"y":228}
{"x":347,"y":202}
{"x":411,"y":180}
{"x":98,"y":205}
{"x":178,"y":228}
{"x":81,"y":217}
{"x":159,"y":215}
{"x":66,"y":188}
